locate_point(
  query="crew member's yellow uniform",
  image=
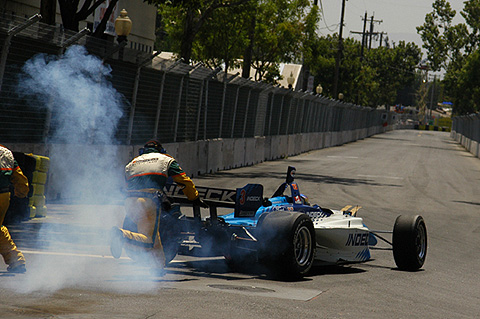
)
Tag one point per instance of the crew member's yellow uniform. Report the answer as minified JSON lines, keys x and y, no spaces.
{"x":145,"y":175}
{"x":10,"y":172}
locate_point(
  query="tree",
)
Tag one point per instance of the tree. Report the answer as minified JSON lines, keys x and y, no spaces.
{"x":395,"y":69}
{"x":449,"y":47}
{"x":373,"y":81}
{"x":263,"y":33}
{"x":439,"y":39}
{"x":222,"y":39}
{"x":187,"y":17}
{"x":466,"y":93}
{"x":280,"y":31}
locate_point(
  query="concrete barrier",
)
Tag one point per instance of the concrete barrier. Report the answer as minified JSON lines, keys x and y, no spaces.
{"x":250,"y":156}
{"x":470,"y":145}
{"x":278,"y":147}
{"x":228,"y":157}
{"x":196,"y":158}
{"x":239,"y":152}
{"x":260,"y":149}
{"x":214,"y":155}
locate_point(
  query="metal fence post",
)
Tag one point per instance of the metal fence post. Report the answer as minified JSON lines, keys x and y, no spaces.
{"x":199,"y":110}
{"x":235,"y":110}
{"x":160,"y":98}
{"x":179,"y":101}
{"x":246,"y":113}
{"x":270,"y":115}
{"x":288,"y":115}
{"x":280,"y":115}
{"x":224,"y":97}
{"x":134,"y":96}
{"x":6,"y":44}
{"x":245,"y":82}
{"x":73,"y":39}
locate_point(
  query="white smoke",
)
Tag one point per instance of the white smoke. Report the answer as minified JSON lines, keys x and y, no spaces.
{"x":85,"y":110}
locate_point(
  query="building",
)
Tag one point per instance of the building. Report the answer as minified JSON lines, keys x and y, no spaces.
{"x":143,"y":15}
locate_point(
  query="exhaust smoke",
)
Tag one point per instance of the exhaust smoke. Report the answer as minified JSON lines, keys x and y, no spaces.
{"x":85,"y":164}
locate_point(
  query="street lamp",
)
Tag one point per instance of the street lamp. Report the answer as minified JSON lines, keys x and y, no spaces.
{"x":340,"y":96}
{"x":123,"y":26}
{"x":290,"y":80}
{"x":319,"y":89}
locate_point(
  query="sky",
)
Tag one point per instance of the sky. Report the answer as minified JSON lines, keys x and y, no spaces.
{"x":400,"y":17}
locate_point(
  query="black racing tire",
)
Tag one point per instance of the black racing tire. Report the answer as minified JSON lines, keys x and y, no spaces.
{"x":409,"y":242}
{"x":286,"y":243}
{"x":170,"y":234}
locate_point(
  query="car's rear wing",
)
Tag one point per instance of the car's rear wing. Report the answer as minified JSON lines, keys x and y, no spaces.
{"x":213,"y":197}
{"x":245,"y":200}
{"x":219,"y":197}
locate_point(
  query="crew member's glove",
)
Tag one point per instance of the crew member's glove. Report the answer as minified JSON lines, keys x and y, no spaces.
{"x":199,"y":202}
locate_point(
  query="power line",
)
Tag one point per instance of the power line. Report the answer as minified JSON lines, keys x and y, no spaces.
{"x":323,"y":15}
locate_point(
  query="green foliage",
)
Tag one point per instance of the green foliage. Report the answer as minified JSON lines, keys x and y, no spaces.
{"x":449,"y":47}
{"x":277,"y":31}
{"x":280,"y":31}
{"x":467,"y":87}
{"x":372,"y":80}
{"x":183,"y":19}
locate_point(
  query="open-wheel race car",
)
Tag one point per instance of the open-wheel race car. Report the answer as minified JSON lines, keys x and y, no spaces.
{"x":283,"y":232}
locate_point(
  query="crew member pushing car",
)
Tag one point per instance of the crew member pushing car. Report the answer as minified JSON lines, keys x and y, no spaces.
{"x":145,"y":176}
{"x":10,"y":173}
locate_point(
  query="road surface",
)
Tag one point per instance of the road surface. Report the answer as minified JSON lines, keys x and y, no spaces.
{"x":72,"y":275}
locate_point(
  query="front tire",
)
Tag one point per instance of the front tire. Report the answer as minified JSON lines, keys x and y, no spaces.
{"x":409,"y":242}
{"x":287,"y":243}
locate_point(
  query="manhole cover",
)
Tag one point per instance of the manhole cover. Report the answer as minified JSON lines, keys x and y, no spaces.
{"x":241,"y":288}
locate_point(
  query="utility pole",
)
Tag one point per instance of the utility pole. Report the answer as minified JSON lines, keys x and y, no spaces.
{"x":371,"y":30}
{"x":339,"y":53}
{"x":363,"y":35}
{"x":368,"y":35}
{"x":432,"y":90}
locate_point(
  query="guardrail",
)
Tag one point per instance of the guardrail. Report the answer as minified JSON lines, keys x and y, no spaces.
{"x":466,"y":131}
{"x":207,"y":119}
{"x":165,"y":99}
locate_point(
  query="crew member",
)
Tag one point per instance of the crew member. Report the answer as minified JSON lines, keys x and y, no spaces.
{"x":10,"y":173}
{"x":145,"y":175}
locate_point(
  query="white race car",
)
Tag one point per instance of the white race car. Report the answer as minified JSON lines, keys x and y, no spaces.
{"x":284,"y":232}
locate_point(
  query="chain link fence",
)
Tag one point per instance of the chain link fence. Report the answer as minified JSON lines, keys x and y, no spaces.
{"x":166,"y":99}
{"x":466,"y":131}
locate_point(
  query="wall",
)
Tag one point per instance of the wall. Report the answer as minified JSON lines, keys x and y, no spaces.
{"x":208,"y":156}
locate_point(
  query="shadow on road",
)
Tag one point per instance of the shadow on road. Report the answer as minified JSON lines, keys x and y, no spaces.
{"x":325,"y":179}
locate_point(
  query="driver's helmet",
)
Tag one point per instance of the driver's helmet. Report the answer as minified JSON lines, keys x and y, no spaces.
{"x":304,"y":199}
{"x":152,"y":144}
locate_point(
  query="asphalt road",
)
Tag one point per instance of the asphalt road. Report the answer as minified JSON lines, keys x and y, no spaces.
{"x":71,"y":274}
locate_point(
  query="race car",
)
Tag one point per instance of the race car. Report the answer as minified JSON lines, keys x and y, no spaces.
{"x":284,"y":232}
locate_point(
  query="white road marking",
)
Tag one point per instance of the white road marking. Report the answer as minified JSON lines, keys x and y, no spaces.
{"x":349,"y":157}
{"x":56,"y":253}
{"x":380,"y":176}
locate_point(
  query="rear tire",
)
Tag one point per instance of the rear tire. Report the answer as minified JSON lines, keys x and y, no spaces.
{"x":287,"y":244}
{"x":409,"y":242}
{"x":170,"y":233}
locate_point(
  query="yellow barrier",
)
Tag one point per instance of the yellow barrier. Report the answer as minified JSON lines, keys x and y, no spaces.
{"x":37,"y":200}
{"x":444,"y":122}
{"x":432,"y":128}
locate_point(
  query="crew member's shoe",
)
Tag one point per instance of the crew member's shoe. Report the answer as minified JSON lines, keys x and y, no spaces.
{"x":116,"y":242}
{"x":17,"y":268}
